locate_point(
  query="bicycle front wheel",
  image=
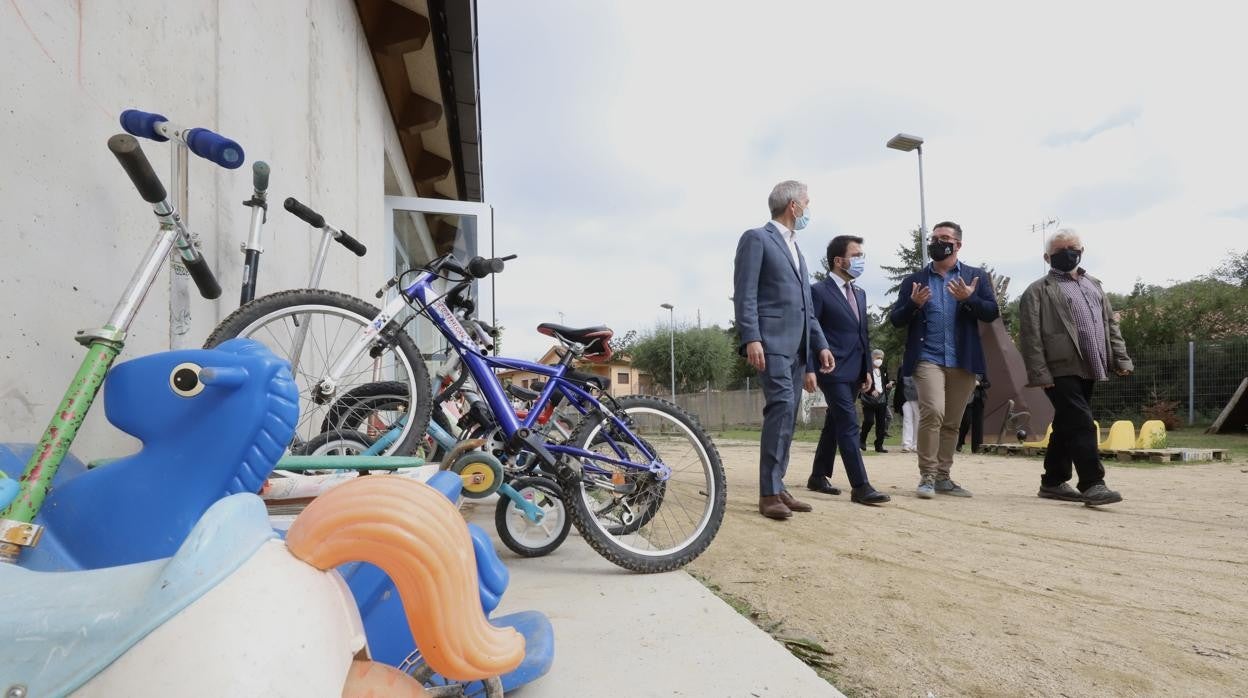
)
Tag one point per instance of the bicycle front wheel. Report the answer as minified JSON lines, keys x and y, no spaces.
{"x":631,"y":516}
{"x":313,"y":329}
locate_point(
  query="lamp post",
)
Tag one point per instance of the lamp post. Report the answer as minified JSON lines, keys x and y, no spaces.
{"x":671,"y":311}
{"x":906,"y":143}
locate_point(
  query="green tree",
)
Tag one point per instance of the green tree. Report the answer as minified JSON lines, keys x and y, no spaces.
{"x":1203,"y":309}
{"x":1233,"y":269}
{"x":910,"y":260}
{"x":702,"y":355}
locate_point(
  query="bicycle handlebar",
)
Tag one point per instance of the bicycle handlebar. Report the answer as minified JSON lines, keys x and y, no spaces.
{"x":128,"y":152}
{"x":316,"y":220}
{"x":134,"y":162}
{"x":351,"y":243}
{"x":480,"y":267}
{"x":304,"y":213}
{"x":207,"y":144}
{"x":260,"y":176}
{"x":204,"y":279}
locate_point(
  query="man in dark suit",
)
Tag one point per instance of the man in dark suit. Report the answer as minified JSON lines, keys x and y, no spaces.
{"x":941,"y":306}
{"x":778,"y":333}
{"x":841,"y":309}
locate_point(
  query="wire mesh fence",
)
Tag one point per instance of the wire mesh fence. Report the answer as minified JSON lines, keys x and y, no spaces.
{"x":1196,"y":379}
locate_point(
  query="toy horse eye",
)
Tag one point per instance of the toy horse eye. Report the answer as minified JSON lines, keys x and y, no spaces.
{"x":185,"y":380}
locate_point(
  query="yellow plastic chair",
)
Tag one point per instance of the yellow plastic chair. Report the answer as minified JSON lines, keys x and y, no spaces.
{"x":1042,"y":443}
{"x":1121,"y":436}
{"x":1152,"y":434}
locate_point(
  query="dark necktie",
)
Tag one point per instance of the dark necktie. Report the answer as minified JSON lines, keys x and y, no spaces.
{"x":852,"y":298}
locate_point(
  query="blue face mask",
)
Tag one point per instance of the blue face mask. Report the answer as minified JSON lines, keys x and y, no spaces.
{"x":857,"y":265}
{"x":802,"y":220}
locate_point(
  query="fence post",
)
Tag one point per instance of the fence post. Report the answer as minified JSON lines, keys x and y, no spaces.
{"x":1191,"y":383}
{"x":707,"y":420}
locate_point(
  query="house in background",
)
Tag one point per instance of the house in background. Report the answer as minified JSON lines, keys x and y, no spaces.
{"x":625,"y":379}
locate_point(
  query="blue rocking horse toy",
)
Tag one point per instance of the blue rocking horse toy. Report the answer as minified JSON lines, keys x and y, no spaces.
{"x":153,"y":559}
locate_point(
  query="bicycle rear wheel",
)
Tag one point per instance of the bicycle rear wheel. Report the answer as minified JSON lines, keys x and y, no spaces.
{"x":630,"y":516}
{"x":312,"y":329}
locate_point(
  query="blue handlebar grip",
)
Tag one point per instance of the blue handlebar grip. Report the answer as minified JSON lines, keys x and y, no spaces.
{"x":215,"y":147}
{"x":142,"y":124}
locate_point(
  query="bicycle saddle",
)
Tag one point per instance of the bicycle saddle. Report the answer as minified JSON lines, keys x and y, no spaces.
{"x":594,"y":338}
{"x":68,"y":626}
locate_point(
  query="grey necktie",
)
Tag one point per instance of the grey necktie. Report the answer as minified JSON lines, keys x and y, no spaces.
{"x":852,"y":298}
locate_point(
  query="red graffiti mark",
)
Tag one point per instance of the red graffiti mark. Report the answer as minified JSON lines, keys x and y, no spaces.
{"x":30,"y":31}
{"x":66,"y":416}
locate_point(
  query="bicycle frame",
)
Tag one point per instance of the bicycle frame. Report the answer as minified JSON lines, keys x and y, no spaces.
{"x":481,"y":367}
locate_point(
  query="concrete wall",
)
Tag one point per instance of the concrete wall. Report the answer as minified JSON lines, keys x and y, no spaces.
{"x":293,"y":82}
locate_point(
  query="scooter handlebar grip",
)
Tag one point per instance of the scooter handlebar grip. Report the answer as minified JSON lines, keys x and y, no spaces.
{"x":304,"y":213}
{"x":205,"y":281}
{"x":214,"y":147}
{"x":135,"y":163}
{"x":260,"y":175}
{"x":351,"y":244}
{"x":142,"y":124}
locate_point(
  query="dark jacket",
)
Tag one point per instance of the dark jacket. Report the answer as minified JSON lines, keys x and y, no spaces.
{"x":771,"y":297}
{"x":980,"y":307}
{"x":882,"y":398}
{"x":848,"y":337}
{"x":1049,"y":341}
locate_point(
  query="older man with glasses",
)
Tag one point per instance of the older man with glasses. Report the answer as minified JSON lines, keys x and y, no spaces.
{"x":1070,"y":341}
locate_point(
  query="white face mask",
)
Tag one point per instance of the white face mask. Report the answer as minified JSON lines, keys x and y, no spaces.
{"x":878,"y":362}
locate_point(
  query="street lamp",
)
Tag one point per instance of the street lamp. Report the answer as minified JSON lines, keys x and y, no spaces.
{"x":671,"y":309}
{"x":906,"y":143}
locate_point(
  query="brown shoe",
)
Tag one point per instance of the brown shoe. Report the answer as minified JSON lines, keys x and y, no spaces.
{"x":794,"y":504}
{"x":773,"y":508}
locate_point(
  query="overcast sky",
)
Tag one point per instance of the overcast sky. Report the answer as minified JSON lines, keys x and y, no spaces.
{"x":627,"y":145}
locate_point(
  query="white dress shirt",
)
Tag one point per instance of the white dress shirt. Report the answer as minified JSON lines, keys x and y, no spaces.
{"x":790,"y":239}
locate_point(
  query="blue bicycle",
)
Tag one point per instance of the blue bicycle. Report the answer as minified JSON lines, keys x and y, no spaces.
{"x":641,"y":479}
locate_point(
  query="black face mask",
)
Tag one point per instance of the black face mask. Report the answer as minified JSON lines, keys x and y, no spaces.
{"x":938,"y":250}
{"x":1065,"y":260}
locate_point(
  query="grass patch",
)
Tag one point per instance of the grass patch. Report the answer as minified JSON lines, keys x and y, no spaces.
{"x":811,"y":652}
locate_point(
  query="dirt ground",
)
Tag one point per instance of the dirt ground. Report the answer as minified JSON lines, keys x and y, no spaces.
{"x":1003,"y":593}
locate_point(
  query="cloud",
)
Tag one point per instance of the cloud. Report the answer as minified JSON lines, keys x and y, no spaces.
{"x":1113,"y":200}
{"x":1240,"y":212}
{"x":1126,"y":116}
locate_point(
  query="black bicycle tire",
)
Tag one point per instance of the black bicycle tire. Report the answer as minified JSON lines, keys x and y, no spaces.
{"x":601,"y":541}
{"x":553,"y":490}
{"x":347,"y":403}
{"x":256,"y":310}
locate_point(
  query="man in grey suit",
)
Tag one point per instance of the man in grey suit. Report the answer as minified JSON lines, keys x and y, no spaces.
{"x":779,"y":334}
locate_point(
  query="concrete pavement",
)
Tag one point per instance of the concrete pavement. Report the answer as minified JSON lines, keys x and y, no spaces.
{"x":623,"y":634}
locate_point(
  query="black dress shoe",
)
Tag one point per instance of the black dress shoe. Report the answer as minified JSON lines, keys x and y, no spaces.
{"x":881,"y":449}
{"x":821,"y":486}
{"x":868,"y":495}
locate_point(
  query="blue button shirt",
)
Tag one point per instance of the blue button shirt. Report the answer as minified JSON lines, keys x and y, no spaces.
{"x":940,"y":343}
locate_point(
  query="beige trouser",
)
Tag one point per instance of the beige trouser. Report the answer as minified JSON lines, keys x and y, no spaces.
{"x":943,"y":393}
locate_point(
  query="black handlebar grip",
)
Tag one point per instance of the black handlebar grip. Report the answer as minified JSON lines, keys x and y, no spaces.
{"x":134,"y":162}
{"x":204,"y":279}
{"x":260,"y":176}
{"x":480,"y":267}
{"x":308,"y":216}
{"x":351,"y":243}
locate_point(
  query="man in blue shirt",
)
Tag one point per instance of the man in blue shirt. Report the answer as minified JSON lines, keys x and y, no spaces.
{"x":941,"y":306}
